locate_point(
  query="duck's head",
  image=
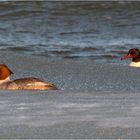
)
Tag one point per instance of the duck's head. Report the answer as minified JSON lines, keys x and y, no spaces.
{"x":5,"y":72}
{"x":132,"y":53}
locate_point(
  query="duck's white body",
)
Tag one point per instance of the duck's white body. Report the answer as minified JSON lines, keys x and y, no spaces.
{"x":134,"y":64}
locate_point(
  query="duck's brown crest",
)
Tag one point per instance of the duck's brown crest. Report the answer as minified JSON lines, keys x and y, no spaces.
{"x":4,"y":71}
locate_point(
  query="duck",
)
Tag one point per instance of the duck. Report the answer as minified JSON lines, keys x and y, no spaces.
{"x":27,"y":83}
{"x":133,"y":53}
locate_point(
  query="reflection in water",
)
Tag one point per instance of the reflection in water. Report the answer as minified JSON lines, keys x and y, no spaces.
{"x":101,"y":31}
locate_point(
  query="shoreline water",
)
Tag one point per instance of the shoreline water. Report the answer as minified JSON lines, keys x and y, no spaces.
{"x":95,"y":100}
{"x":69,"y":115}
{"x":71,"y":74}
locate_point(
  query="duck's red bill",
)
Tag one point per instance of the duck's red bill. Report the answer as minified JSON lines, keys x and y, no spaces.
{"x":126,"y":57}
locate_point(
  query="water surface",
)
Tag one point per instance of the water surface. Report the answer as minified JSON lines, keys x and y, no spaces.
{"x":100,"y":31}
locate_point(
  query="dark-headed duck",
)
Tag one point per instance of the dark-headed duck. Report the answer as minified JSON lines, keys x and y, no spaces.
{"x":135,"y":55}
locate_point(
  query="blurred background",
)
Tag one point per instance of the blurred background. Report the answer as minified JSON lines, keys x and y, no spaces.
{"x":97,"y":31}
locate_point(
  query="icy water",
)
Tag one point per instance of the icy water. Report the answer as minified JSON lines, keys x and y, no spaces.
{"x":100,"y":31}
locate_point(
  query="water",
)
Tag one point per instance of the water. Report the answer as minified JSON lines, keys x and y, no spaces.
{"x":100,"y":31}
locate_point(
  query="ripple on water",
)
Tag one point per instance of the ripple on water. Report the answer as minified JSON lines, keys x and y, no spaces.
{"x":101,"y":31}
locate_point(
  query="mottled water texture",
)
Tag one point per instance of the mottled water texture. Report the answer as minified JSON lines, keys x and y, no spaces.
{"x":101,"y":31}
{"x":94,"y":100}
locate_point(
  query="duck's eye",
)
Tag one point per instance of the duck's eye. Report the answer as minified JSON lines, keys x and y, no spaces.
{"x":132,"y":53}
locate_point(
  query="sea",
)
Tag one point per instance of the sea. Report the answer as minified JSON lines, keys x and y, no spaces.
{"x":100,"y":31}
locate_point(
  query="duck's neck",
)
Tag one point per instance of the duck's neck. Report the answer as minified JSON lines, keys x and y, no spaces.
{"x":137,"y":59}
{"x":5,"y":80}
